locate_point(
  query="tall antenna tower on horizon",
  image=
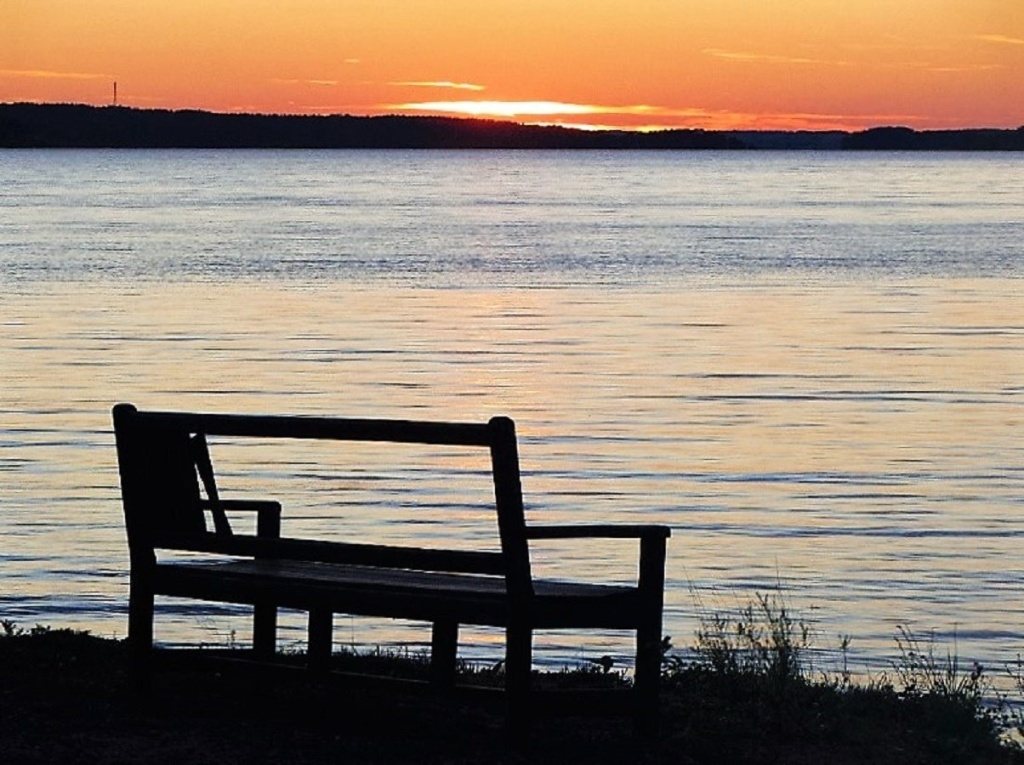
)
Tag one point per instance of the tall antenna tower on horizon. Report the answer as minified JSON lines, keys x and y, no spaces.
{"x":115,"y":92}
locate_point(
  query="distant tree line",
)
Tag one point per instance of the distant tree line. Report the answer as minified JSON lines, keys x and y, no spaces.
{"x":72,"y":125}
{"x":905,"y":139}
{"x":78,"y":126}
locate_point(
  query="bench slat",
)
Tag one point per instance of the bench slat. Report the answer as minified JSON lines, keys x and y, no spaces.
{"x":335,"y":428}
{"x":392,"y":556}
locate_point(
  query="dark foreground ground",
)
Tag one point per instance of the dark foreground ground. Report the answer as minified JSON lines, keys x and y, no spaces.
{"x":67,"y":698}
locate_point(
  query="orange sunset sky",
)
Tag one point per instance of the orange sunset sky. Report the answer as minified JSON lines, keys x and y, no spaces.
{"x":716,"y":64}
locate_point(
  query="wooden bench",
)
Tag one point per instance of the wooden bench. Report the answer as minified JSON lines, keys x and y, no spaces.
{"x":172,"y":503}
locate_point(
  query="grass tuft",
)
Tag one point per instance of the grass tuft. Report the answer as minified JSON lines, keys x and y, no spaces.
{"x":762,"y":640}
{"x":922,"y":673}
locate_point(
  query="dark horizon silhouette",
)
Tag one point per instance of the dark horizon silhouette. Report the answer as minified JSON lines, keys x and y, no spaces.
{"x":27,"y":125}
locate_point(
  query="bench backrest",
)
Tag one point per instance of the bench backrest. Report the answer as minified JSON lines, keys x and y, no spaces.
{"x":162,"y":458}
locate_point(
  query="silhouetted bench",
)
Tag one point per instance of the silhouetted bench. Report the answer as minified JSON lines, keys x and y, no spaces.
{"x":171,"y":503}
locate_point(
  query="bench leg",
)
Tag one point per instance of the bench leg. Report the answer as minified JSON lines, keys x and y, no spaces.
{"x":264,"y":631}
{"x":518,"y":666}
{"x":321,"y":625}
{"x":647,"y":678}
{"x":444,"y":642}
{"x":140,"y":635}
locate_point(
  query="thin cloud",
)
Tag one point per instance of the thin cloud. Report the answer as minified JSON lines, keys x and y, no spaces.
{"x":322,"y":108}
{"x":509,"y":109}
{"x":540,"y":109}
{"x":923,"y":65}
{"x":45,"y":74}
{"x":645,"y":117}
{"x":439,"y":84}
{"x":499,"y":108}
{"x":1001,"y":39}
{"x":766,"y":58}
{"x":960,"y":69}
{"x":724,"y":119}
{"x":892,"y":44}
{"x":286,"y":81}
{"x":929,"y":66}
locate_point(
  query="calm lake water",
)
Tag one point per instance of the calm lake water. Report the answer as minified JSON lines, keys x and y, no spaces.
{"x":810,"y":365}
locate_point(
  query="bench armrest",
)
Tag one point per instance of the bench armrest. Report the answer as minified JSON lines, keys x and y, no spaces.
{"x":250,"y":505}
{"x":651,"y":579}
{"x":604,"y":531}
{"x":268,"y":513}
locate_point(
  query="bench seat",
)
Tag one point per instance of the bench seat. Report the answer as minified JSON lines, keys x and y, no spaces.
{"x":398,"y":593}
